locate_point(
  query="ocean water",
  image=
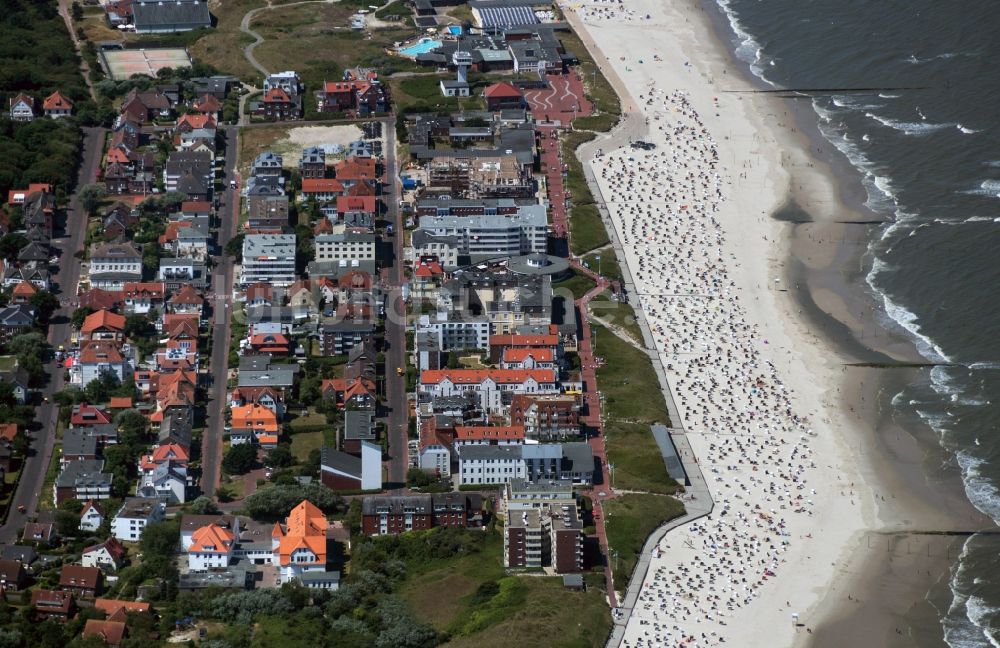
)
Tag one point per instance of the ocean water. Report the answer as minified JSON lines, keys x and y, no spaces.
{"x":925,"y":138}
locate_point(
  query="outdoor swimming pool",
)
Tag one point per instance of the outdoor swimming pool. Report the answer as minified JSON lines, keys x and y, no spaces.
{"x":455,"y":30}
{"x":422,"y":46}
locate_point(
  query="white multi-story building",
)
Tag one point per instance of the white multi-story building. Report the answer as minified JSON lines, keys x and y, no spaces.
{"x":486,"y":464}
{"x":268,"y":258}
{"x":493,"y":235}
{"x":436,"y":457}
{"x":454,"y":332}
{"x":488,"y":384}
{"x":345,"y":246}
{"x":134,"y":515}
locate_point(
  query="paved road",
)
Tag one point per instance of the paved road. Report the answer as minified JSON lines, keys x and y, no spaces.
{"x":222,"y":285}
{"x":67,"y":276}
{"x":395,"y":322}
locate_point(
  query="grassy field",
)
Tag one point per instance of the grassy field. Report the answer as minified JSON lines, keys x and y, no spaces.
{"x":425,"y":91}
{"x":397,"y":8}
{"x":223,"y":46}
{"x":304,"y":443}
{"x":254,"y":141}
{"x":507,"y":611}
{"x":636,"y":457}
{"x":586,"y":228}
{"x":627,"y":380}
{"x":629,"y":520}
{"x":608,"y":264}
{"x":579,"y":284}
{"x":307,"y":423}
{"x":8,"y":362}
{"x":316,"y":40}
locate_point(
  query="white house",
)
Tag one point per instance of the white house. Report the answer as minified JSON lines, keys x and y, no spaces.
{"x":108,"y":555}
{"x":347,"y":246}
{"x":485,"y":464}
{"x":488,"y":384}
{"x":436,"y":457}
{"x":99,"y":358}
{"x":92,"y":517}
{"x":167,"y":480}
{"x":211,"y":548}
{"x":454,"y":332}
{"x":134,"y":515}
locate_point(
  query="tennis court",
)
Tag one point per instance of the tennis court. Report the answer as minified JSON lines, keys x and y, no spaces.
{"x":122,"y":64}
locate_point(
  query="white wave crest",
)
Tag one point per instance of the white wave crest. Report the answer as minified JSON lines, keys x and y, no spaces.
{"x":909,"y":128}
{"x":905,"y":318}
{"x":748,"y":49}
{"x":967,"y":130}
{"x":988,"y":188}
{"x":982,"y":492}
{"x":964,"y":621}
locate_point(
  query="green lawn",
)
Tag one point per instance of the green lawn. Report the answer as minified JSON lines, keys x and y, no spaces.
{"x":307,"y":423}
{"x":629,"y":520}
{"x":305,"y":442}
{"x":579,"y":284}
{"x":397,"y":8}
{"x":627,"y":380}
{"x":586,"y":228}
{"x":636,"y":457}
{"x":7,"y":362}
{"x":608,"y":264}
{"x":476,"y":604}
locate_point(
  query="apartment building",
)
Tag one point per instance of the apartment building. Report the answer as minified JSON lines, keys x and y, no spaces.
{"x":268,"y":258}
{"x":346,"y":246}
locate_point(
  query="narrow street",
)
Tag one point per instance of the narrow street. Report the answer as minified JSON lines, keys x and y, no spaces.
{"x":221,"y":305}
{"x":67,"y":276}
{"x":395,"y":322}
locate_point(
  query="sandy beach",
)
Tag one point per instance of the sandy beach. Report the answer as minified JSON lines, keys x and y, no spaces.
{"x":822,"y":508}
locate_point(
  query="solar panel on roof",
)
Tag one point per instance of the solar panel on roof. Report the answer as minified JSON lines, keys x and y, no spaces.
{"x":506,"y":16}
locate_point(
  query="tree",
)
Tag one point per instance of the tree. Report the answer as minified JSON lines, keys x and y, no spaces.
{"x":203,"y":505}
{"x":45,"y":304}
{"x":28,"y":344}
{"x":79,"y":315}
{"x":76,"y":11}
{"x":10,"y":246}
{"x":280,"y":457}
{"x":277,"y":501}
{"x":151,"y":256}
{"x":417,"y":478}
{"x":91,"y":195}
{"x":234,"y":247}
{"x":132,"y":427}
{"x":160,"y":539}
{"x":138,"y":327}
{"x":240,"y":459}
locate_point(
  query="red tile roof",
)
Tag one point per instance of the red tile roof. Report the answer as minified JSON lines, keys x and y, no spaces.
{"x":57,"y":101}
{"x":478,"y":376}
{"x":111,"y":632}
{"x":103,"y":319}
{"x":521,"y":354}
{"x":488,"y":432}
{"x":502,"y":90}
{"x":364,"y":204}
{"x":322,"y":185}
